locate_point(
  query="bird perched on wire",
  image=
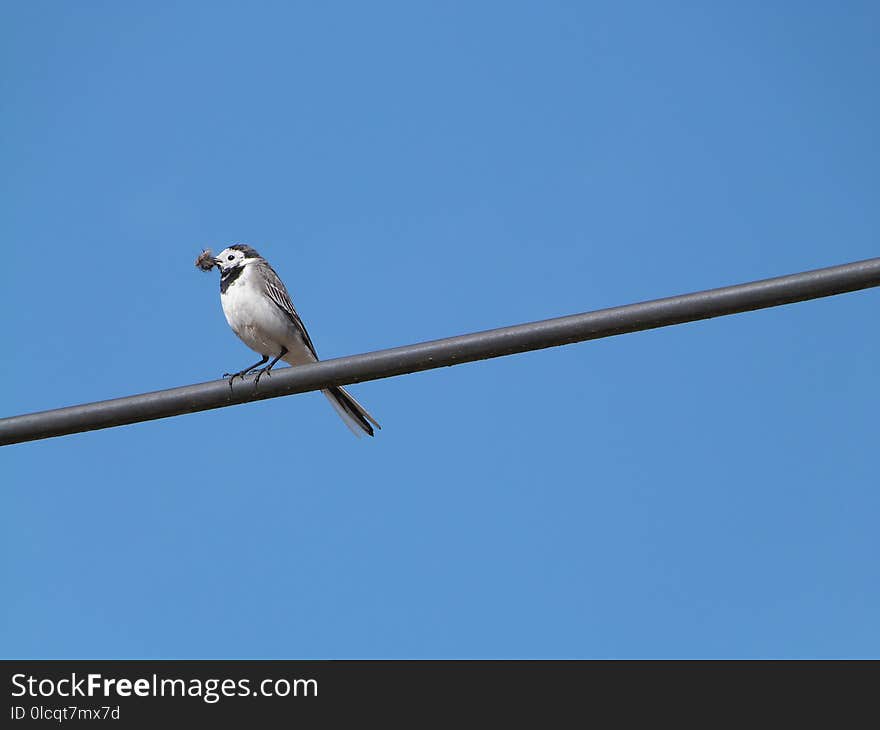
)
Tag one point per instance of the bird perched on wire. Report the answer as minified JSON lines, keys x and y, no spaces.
{"x":258,"y":309}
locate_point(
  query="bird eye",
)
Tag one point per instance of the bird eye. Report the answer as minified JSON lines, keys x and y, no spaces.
{"x":230,"y":257}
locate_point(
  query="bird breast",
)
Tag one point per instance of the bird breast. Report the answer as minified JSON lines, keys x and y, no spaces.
{"x":254,"y":317}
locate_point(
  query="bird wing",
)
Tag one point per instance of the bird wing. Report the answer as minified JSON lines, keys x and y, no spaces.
{"x":277,"y":292}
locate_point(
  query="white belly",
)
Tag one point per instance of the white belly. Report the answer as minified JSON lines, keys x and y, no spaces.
{"x":260,"y":324}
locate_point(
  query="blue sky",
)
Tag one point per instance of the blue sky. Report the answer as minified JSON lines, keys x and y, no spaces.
{"x":417,"y":170}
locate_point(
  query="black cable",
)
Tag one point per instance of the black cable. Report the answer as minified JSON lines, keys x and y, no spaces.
{"x":449,"y":351}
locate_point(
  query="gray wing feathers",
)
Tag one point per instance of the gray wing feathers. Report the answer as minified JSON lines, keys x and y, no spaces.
{"x":277,"y":292}
{"x":353,"y":413}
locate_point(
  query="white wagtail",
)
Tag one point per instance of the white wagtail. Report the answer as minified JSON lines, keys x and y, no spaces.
{"x":258,"y":308}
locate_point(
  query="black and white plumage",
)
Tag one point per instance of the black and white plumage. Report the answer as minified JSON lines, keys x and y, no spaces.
{"x":258,"y":309}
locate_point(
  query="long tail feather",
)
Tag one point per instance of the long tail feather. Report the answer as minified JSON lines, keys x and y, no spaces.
{"x":350,"y":411}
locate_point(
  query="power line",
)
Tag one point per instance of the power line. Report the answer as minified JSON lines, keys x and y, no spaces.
{"x":450,"y":351}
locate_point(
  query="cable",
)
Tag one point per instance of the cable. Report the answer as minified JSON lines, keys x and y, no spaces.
{"x":450,"y":351}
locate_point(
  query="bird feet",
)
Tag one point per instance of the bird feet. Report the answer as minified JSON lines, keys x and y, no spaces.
{"x":233,"y":376}
{"x":266,"y":370}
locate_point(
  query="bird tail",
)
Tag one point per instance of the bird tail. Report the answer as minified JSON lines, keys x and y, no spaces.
{"x":350,"y":411}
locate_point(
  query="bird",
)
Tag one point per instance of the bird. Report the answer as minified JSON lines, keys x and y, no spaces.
{"x":258,"y":309}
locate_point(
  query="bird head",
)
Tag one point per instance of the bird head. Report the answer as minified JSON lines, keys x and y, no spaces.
{"x":235,"y":256}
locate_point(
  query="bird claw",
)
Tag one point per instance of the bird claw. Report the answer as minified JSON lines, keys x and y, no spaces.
{"x":260,"y":374}
{"x":232,"y":376}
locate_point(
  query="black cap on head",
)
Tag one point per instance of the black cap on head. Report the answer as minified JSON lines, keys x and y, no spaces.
{"x":249,"y":252}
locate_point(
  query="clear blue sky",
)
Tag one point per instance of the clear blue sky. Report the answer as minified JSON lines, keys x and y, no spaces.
{"x":418,"y":170}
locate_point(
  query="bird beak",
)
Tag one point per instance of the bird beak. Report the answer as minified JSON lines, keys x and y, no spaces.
{"x":217,"y":262}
